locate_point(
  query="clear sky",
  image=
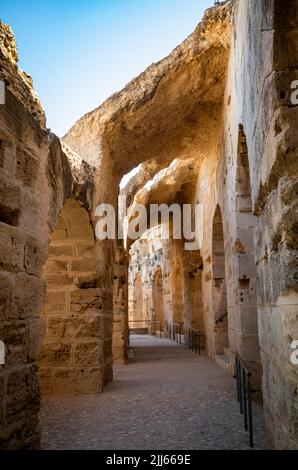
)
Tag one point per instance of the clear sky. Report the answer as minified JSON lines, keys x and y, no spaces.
{"x":79,"y":52}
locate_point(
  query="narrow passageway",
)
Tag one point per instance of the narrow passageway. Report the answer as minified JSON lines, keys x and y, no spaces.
{"x":166,"y":397}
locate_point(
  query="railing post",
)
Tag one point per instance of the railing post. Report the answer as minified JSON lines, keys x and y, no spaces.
{"x":244,"y":399}
{"x":244,"y":396}
{"x":250,"y":425}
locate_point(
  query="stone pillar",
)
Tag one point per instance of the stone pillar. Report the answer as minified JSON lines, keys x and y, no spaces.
{"x":120,"y":307}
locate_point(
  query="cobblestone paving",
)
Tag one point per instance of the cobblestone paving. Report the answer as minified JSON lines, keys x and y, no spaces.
{"x":165,"y":398}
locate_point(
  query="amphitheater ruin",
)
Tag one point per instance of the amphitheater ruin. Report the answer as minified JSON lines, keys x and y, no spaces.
{"x":213,"y":124}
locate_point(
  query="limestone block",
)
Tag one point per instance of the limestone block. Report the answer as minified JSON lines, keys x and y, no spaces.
{"x":56,"y":266}
{"x":84,"y":264}
{"x":6,"y":286}
{"x":60,"y":280}
{"x":119,"y":355}
{"x":55,"y":353}
{"x":75,"y":327}
{"x":86,"y":301}
{"x":247,"y":346}
{"x":27,"y":166}
{"x":85,"y":249}
{"x":11,"y":248}
{"x":246,"y":236}
{"x":28,"y":296}
{"x":88,"y":353}
{"x":246,"y":266}
{"x":84,"y":233}
{"x":60,"y":328}
{"x":23,"y":387}
{"x":248,"y":319}
{"x":86,"y":280}
{"x":35,"y":256}
{"x":59,"y":235}
{"x":56,"y":301}
{"x":72,"y":381}
{"x":10,"y":204}
{"x":78,"y":217}
{"x":89,"y":326}
{"x":118,"y":337}
{"x":60,"y":251}
{"x":7,"y":155}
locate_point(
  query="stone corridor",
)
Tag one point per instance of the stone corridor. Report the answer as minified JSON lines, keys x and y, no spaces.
{"x":91,"y":245}
{"x":166,"y":397}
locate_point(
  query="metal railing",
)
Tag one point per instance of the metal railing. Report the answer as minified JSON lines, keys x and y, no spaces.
{"x":243,"y":377}
{"x":157,"y":328}
{"x":174,"y":331}
{"x":194,"y":339}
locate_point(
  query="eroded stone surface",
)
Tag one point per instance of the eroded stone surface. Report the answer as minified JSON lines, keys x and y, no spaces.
{"x":219,"y":108}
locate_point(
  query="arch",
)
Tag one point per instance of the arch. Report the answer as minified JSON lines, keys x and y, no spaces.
{"x":72,"y":353}
{"x":219,"y":291}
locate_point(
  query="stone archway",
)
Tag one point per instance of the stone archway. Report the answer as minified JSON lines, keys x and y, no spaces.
{"x":71,"y":356}
{"x":219,"y":291}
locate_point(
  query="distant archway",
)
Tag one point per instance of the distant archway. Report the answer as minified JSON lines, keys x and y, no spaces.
{"x":219,"y":291}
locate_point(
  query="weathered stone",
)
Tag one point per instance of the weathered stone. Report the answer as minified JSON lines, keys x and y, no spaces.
{"x":35,"y":256}
{"x":63,"y":251}
{"x":28,"y":296}
{"x":57,"y":266}
{"x":60,"y":280}
{"x":56,"y":302}
{"x":70,"y":381}
{"x":55,"y":353}
{"x":11,"y":248}
{"x":88,"y":354}
{"x":86,"y":301}
{"x":6,"y":286}
{"x":22,"y":388}
{"x":179,"y":120}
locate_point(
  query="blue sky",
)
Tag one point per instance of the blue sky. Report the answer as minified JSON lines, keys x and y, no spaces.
{"x":79,"y":52}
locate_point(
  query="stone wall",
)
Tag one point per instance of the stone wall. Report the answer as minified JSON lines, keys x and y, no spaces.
{"x":120,"y":307}
{"x":27,"y":158}
{"x":73,"y":352}
{"x":36,"y":180}
{"x":255,"y":166}
{"x":233,"y":134}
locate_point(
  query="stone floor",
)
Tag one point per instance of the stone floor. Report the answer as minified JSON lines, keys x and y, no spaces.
{"x":165,"y":398}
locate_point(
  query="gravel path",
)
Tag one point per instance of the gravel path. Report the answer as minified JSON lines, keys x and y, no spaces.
{"x":165,"y":398}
